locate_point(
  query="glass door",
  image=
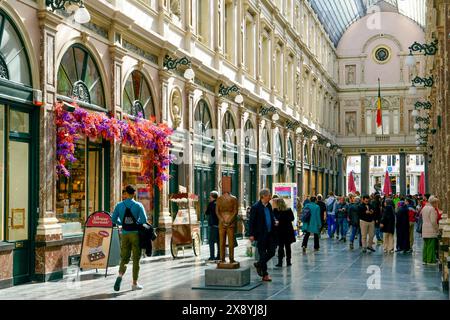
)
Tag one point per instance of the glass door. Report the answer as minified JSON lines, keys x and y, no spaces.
{"x":19,"y":210}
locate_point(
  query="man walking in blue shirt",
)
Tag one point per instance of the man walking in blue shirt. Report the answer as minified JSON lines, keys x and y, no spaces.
{"x":130,"y":214}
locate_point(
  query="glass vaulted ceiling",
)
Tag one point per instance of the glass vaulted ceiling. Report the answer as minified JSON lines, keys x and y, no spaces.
{"x":337,"y":15}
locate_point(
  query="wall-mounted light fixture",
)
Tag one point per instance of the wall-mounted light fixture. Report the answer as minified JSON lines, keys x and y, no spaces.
{"x":290,"y":125}
{"x":225,"y":91}
{"x":422,"y":105}
{"x":266,"y":110}
{"x":81,"y":13}
{"x":425,"y":120}
{"x":427,"y":82}
{"x":430,"y":50}
{"x":170,"y":64}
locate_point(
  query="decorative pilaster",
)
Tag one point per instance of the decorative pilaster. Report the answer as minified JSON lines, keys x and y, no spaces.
{"x":403,"y":173}
{"x":241,"y":160}
{"x":48,"y":260}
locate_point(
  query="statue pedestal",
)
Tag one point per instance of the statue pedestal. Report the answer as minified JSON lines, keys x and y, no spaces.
{"x":227,"y":277}
{"x":228,"y":265}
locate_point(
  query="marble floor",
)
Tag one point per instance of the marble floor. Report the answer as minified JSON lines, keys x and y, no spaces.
{"x":335,"y":272}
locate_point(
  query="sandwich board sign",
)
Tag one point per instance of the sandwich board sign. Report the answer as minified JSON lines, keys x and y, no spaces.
{"x":96,"y":243}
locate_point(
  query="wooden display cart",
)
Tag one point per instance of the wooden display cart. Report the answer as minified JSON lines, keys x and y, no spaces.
{"x":185,"y":227}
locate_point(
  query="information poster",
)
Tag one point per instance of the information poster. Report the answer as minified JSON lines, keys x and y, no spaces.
{"x":96,"y":241}
{"x":288,"y":191}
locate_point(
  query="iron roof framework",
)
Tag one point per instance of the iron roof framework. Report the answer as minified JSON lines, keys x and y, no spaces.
{"x":337,"y":15}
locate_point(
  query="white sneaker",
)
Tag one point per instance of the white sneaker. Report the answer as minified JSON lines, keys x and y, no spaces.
{"x":136,"y":287}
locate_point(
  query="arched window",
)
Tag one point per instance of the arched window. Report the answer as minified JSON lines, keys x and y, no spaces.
{"x":278,"y":147}
{"x":265,"y":141}
{"x":305,"y":154}
{"x":320,"y":159}
{"x":314,"y":157}
{"x":14,"y":64}
{"x":79,"y":77}
{"x":203,"y":122}
{"x":137,"y":97}
{"x":290,"y":150}
{"x":229,"y":129}
{"x":249,"y":134}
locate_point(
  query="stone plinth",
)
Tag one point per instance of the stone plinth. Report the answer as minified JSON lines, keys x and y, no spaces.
{"x":227,"y":277}
{"x":228,"y":265}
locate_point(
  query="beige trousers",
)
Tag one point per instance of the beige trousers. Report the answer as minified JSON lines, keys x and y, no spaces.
{"x":367,"y":228}
{"x":388,"y":241}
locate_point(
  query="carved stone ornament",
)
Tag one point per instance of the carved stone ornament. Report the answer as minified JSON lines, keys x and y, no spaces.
{"x":175,"y":108}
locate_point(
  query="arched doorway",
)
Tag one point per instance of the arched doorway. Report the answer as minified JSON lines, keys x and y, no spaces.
{"x":138,"y":101}
{"x":204,"y":164}
{"x":88,"y":188}
{"x":19,"y":152}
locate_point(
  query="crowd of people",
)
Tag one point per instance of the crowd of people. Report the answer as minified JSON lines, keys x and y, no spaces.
{"x":390,"y":221}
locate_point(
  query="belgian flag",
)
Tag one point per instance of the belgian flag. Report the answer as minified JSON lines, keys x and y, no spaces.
{"x":379,"y":117}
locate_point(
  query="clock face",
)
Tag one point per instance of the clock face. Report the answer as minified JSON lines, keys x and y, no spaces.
{"x":382,"y":55}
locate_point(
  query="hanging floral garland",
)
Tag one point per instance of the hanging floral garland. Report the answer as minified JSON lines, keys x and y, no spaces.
{"x":152,"y":138}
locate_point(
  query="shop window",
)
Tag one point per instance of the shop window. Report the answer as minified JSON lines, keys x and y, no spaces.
{"x":137,"y":97}
{"x":203,"y":122}
{"x":265,"y":141}
{"x":132,"y":165}
{"x":79,"y":77}
{"x":14,"y":63}
{"x":249,"y":133}
{"x":80,"y":195}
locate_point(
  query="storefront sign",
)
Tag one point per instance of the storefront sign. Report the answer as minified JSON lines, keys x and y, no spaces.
{"x":96,"y":241}
{"x":131,"y":163}
{"x":288,"y":191}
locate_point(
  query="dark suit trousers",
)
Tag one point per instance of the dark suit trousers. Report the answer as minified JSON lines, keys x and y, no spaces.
{"x":266,"y":250}
{"x":306,"y":237}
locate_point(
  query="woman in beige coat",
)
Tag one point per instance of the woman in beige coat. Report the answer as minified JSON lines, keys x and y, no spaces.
{"x":430,"y":230}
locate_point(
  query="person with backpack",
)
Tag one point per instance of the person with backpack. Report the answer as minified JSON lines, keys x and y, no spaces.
{"x":311,"y":223}
{"x":130,"y":214}
{"x":331,"y":214}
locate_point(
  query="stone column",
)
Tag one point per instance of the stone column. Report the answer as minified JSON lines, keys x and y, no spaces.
{"x":117,"y":53}
{"x":340,"y":176}
{"x":298,"y":156}
{"x":48,"y":259}
{"x":164,"y":229}
{"x":403,"y":173}
{"x":189,"y":137}
{"x":260,"y":122}
{"x":364,"y":173}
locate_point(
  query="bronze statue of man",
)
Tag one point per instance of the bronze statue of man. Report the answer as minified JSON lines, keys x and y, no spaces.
{"x":227,"y":207}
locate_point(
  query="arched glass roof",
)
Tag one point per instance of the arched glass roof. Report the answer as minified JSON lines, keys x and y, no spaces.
{"x":337,"y":15}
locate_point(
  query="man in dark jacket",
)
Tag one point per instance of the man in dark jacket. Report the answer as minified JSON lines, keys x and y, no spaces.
{"x":323,"y":210}
{"x":262,"y":229}
{"x":213,"y":224}
{"x":376,"y":206}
